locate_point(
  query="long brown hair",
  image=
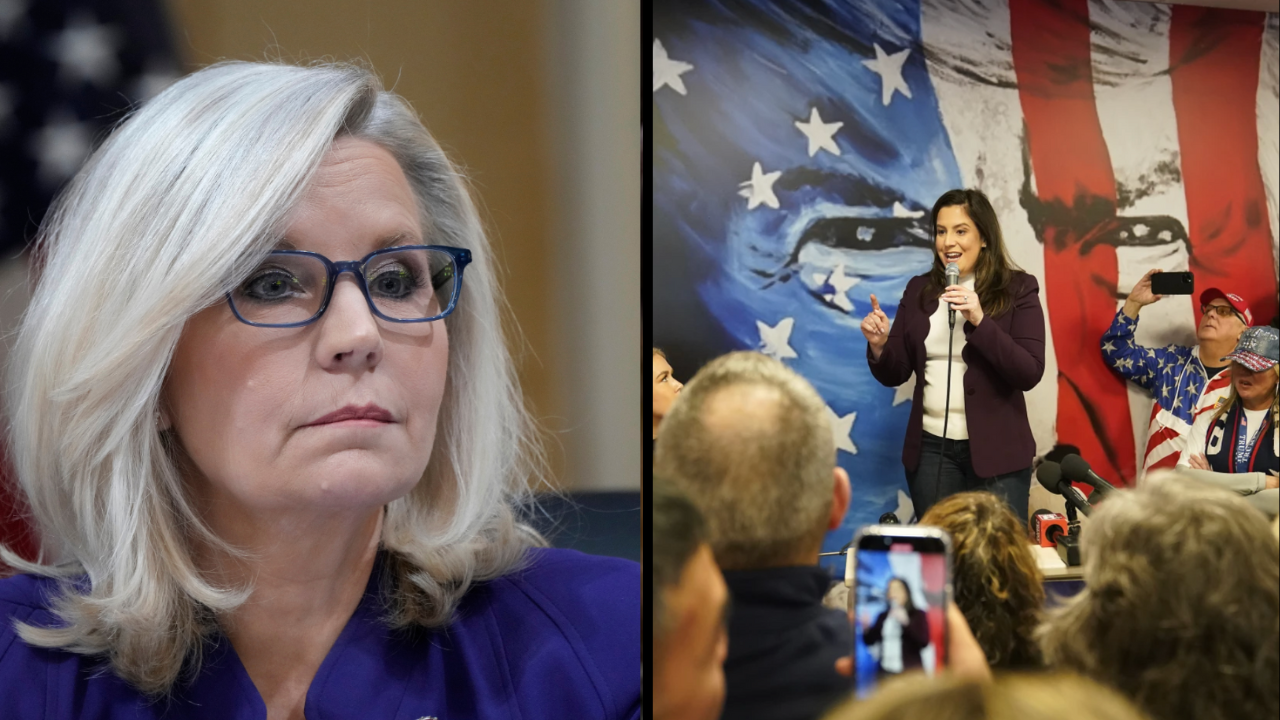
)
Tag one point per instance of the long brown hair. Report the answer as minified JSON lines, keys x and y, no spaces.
{"x":993,"y":271}
{"x":998,"y":585}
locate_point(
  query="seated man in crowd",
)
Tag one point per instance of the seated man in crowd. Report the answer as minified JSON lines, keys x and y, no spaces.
{"x":1182,"y":379}
{"x":750,"y":443}
{"x":996,"y":582}
{"x":689,"y":606}
{"x":1181,"y":606}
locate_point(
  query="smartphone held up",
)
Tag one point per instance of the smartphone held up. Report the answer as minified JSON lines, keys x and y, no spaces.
{"x":900,"y":586}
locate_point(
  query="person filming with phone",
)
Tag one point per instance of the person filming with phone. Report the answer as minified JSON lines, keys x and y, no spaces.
{"x":971,"y":330}
{"x":1184,"y":380}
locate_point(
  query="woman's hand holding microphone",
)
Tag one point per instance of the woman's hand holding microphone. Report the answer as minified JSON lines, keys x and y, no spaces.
{"x":875,"y":327}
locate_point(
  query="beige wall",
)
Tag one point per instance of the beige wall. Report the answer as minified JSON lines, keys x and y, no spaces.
{"x":482,"y":75}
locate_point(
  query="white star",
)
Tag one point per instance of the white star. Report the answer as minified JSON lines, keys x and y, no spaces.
{"x":759,"y":189}
{"x":889,"y":68}
{"x":86,"y":50}
{"x":774,"y":341}
{"x":904,"y":392}
{"x":842,"y":430}
{"x":1124,"y":364}
{"x":1108,"y":348}
{"x":11,"y":13}
{"x":1151,"y":353}
{"x":901,"y":212}
{"x":840,"y":285}
{"x":60,"y":147}
{"x":822,"y":136}
{"x":906,"y":510}
{"x":667,"y":71}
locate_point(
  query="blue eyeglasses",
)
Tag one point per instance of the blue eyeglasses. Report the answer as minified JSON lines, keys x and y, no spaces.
{"x":405,"y":284}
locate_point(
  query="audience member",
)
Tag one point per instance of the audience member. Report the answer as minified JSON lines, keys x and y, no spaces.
{"x":996,"y":582}
{"x":1010,"y":697}
{"x":665,"y":388}
{"x":1198,"y":376}
{"x":1181,"y":605}
{"x":750,"y":443}
{"x":689,"y":605}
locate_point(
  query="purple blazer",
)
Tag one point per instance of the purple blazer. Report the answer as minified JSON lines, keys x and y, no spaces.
{"x":559,"y":639}
{"x":1004,"y":358}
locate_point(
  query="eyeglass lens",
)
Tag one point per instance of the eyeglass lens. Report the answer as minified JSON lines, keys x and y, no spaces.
{"x":409,"y":284}
{"x":1221,"y":310}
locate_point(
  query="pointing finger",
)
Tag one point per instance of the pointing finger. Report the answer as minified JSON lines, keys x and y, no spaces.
{"x":875,"y":304}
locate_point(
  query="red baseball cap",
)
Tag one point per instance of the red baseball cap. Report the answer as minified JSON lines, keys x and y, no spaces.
{"x":1235,"y":301}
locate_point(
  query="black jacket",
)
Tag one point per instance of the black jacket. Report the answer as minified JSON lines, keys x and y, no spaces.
{"x":783,"y":645}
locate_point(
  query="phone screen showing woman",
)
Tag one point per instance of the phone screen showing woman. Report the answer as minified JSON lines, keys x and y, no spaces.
{"x":898,"y":612}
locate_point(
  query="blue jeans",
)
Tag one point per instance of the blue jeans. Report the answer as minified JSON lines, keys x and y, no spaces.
{"x":927,"y":486}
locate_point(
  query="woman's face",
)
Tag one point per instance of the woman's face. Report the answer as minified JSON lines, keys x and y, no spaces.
{"x":897,"y":593}
{"x":249,"y":403}
{"x":956,"y":238}
{"x":1254,"y":388}
{"x":665,"y":387}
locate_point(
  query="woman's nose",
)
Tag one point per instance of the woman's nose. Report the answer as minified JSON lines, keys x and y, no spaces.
{"x":349,"y":334}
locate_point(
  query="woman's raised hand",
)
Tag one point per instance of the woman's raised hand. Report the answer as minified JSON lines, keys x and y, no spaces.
{"x":875,"y":327}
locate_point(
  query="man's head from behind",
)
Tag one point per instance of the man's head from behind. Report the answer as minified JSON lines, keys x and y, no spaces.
{"x":689,"y":605}
{"x":751,"y":444}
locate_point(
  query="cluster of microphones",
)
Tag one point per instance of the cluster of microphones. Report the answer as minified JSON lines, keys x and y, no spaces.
{"x":1050,"y":529}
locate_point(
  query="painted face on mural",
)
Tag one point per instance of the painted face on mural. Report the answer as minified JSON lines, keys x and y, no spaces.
{"x":957,"y":240}
{"x":791,"y":193}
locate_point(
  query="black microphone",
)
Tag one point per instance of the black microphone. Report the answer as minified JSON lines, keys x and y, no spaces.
{"x":1050,"y":476}
{"x":1076,"y":469}
{"x":953,"y":278}
{"x":890,"y":519}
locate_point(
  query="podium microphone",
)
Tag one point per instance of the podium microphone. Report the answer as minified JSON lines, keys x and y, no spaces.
{"x":1076,"y":469}
{"x":1049,"y":474}
{"x":953,"y":278}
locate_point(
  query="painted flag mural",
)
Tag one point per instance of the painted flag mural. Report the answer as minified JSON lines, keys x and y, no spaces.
{"x":798,"y":148}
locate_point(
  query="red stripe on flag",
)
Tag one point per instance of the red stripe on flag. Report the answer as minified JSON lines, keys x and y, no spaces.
{"x":1214,"y":56}
{"x":1076,"y":185}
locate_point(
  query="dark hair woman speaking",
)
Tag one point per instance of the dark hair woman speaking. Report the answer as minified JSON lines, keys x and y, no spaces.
{"x":901,"y":631}
{"x":977,"y":368}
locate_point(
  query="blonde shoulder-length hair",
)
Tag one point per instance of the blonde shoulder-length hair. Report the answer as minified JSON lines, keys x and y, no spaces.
{"x":178,"y":204}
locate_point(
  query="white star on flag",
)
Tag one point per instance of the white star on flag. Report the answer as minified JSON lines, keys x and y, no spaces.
{"x":822,"y":136}
{"x":842,"y":430}
{"x":899,"y":211}
{"x":86,"y":50}
{"x":667,"y":71}
{"x":1108,"y":348}
{"x":60,"y":147}
{"x":905,"y":510}
{"x":840,"y":284}
{"x":759,"y":189}
{"x":904,"y":392}
{"x":775,"y":341}
{"x":889,"y":68}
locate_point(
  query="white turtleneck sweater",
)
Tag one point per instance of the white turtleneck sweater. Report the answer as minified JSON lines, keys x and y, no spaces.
{"x":935,"y":373}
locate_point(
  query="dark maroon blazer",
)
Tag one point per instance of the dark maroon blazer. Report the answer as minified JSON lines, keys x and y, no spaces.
{"x":1004,"y":356}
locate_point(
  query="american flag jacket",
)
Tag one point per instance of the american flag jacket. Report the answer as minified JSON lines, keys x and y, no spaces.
{"x":1176,"y":378}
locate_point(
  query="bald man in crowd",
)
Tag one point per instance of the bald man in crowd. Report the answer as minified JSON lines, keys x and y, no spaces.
{"x":750,"y":443}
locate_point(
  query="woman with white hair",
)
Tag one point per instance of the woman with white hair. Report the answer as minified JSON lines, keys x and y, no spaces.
{"x":276,"y":452}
